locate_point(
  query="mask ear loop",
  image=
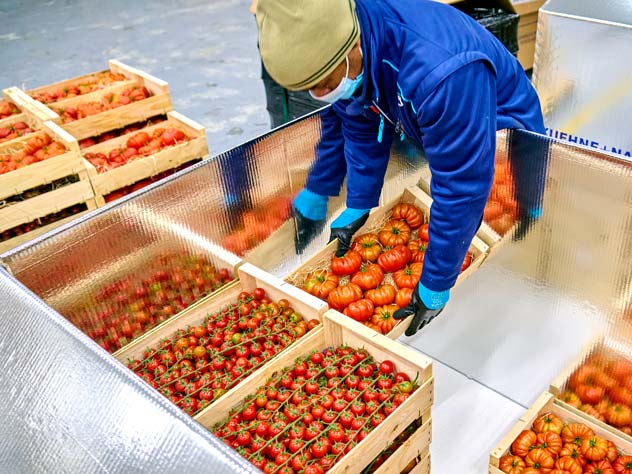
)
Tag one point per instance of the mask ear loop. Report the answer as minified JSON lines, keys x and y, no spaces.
{"x":347,"y":71}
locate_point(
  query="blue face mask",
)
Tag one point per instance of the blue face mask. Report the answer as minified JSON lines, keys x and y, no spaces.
{"x":344,"y":90}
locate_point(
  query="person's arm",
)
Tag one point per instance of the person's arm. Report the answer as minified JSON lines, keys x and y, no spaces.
{"x":458,"y":123}
{"x":367,"y":145}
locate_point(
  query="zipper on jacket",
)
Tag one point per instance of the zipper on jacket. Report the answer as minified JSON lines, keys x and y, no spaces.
{"x":398,"y":126}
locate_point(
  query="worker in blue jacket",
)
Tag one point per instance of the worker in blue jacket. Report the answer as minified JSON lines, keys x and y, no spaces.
{"x":397,"y":68}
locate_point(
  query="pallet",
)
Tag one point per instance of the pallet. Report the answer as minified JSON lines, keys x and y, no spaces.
{"x":148,"y":166}
{"x":250,"y":277}
{"x":159,"y":103}
{"x":26,"y":104}
{"x":547,"y":403}
{"x":43,"y":172}
{"x":413,"y":195}
{"x":416,"y":448}
{"x":338,"y":330}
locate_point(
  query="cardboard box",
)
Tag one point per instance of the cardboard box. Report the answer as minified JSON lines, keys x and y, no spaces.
{"x":527,"y":29}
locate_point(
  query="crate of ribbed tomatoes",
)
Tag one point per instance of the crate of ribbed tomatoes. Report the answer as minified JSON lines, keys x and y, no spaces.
{"x":377,"y":275}
{"x":144,"y":153}
{"x":95,"y":103}
{"x":549,"y":438}
{"x":331,"y":403}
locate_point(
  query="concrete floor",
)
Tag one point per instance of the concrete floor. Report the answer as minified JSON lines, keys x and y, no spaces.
{"x":205,"y":49}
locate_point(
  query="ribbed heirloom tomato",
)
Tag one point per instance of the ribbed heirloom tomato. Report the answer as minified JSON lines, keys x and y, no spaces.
{"x":320,"y":283}
{"x":394,"y":232}
{"x":368,"y":246}
{"x":383,"y":318}
{"x":341,"y":297}
{"x":408,"y":276}
{"x":393,"y":259}
{"x":360,"y":310}
{"x":408,"y":213}
{"x":524,"y":443}
{"x":347,"y":264}
{"x":368,"y":277}
{"x":382,"y":295}
{"x":403,"y":297}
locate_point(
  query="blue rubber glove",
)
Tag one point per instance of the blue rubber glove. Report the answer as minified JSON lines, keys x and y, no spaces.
{"x":425,"y":305}
{"x":345,"y":226}
{"x":310,"y":211}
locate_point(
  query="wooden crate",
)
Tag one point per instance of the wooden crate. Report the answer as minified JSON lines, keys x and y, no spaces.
{"x":159,"y":103}
{"x":609,"y":349}
{"x":378,"y":216}
{"x":416,"y":448}
{"x":148,"y":166}
{"x":113,"y":66}
{"x":26,"y":104}
{"x":337,"y":330}
{"x":38,"y":174}
{"x":250,"y":277}
{"x":547,"y":403}
{"x":43,"y":172}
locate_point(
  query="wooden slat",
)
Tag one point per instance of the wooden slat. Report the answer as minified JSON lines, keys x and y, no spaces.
{"x":417,"y":446}
{"x":423,"y":467}
{"x":547,"y":403}
{"x":75,"y":81}
{"x":94,"y":96}
{"x":119,"y":117}
{"x":44,"y":204}
{"x":333,"y":333}
{"x":348,"y":331}
{"x":155,"y":85}
{"x":26,"y":104}
{"x":385,"y":433}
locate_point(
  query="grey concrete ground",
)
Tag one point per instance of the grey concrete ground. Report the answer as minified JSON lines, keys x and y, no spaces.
{"x":205,"y":49}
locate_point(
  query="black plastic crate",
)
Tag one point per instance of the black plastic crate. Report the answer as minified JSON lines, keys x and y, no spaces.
{"x":501,"y":24}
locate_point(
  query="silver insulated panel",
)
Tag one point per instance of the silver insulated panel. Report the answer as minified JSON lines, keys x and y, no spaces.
{"x":583,"y":72}
{"x":546,"y":293}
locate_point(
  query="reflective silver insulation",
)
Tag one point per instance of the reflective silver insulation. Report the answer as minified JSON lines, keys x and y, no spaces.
{"x":68,"y":406}
{"x":583,"y":72}
{"x":521,"y":318}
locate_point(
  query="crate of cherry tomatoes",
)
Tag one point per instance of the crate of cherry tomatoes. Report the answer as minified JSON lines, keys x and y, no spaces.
{"x":43,"y":183}
{"x":145,"y":289}
{"x":331,"y":403}
{"x":598,"y":386}
{"x":551,"y":439}
{"x":197,"y":357}
{"x":141,"y":154}
{"x":377,"y":276}
{"x":107,"y":100}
